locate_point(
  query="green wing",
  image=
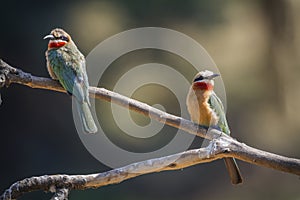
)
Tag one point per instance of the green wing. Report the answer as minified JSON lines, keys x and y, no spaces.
{"x":71,"y":75}
{"x":217,"y":106}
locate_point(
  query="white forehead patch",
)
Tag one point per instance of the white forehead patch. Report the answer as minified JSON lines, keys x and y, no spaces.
{"x":205,"y":73}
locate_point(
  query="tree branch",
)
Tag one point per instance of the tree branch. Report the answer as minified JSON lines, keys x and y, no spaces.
{"x":81,"y":182}
{"x":221,"y":146}
{"x":217,"y":149}
{"x":61,"y":194}
{"x":13,"y":75}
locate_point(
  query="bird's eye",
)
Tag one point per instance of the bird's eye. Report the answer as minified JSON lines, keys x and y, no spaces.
{"x":198,"y":78}
{"x":64,"y":38}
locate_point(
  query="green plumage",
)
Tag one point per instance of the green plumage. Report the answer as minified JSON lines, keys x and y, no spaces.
{"x":67,"y":64}
{"x":217,"y":106}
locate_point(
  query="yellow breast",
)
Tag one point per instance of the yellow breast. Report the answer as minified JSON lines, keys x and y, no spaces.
{"x":199,"y":109}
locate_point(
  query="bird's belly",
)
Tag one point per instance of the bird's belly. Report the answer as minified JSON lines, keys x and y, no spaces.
{"x":201,"y":113}
{"x":206,"y":115}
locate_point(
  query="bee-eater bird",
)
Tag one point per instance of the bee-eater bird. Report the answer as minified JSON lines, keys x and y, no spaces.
{"x":206,"y":109}
{"x":66,"y":64}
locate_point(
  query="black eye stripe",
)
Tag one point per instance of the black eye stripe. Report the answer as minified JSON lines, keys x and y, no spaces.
{"x":62,"y":38}
{"x":198,"y":78}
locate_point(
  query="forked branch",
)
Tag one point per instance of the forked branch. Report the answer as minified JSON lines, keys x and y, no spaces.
{"x":221,"y":146}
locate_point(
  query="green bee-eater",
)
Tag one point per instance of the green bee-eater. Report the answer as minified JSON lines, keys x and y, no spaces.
{"x":205,"y":108}
{"x":67,"y":64}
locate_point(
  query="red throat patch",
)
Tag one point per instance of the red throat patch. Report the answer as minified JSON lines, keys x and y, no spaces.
{"x":202,"y":86}
{"x":55,"y":44}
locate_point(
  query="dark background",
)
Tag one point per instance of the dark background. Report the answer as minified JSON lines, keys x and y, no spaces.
{"x":254,"y":43}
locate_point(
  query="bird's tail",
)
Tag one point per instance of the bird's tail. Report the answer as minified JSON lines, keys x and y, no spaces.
{"x":233,"y":171}
{"x":86,"y":117}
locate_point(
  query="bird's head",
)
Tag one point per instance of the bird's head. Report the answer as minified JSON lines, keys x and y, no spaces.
{"x":204,"y":80}
{"x":57,"y":38}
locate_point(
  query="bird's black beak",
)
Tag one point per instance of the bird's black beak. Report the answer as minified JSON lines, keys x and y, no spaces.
{"x":212,"y":76}
{"x":51,"y":37}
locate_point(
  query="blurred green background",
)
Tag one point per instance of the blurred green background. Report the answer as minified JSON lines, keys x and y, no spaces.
{"x":254,"y":43}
